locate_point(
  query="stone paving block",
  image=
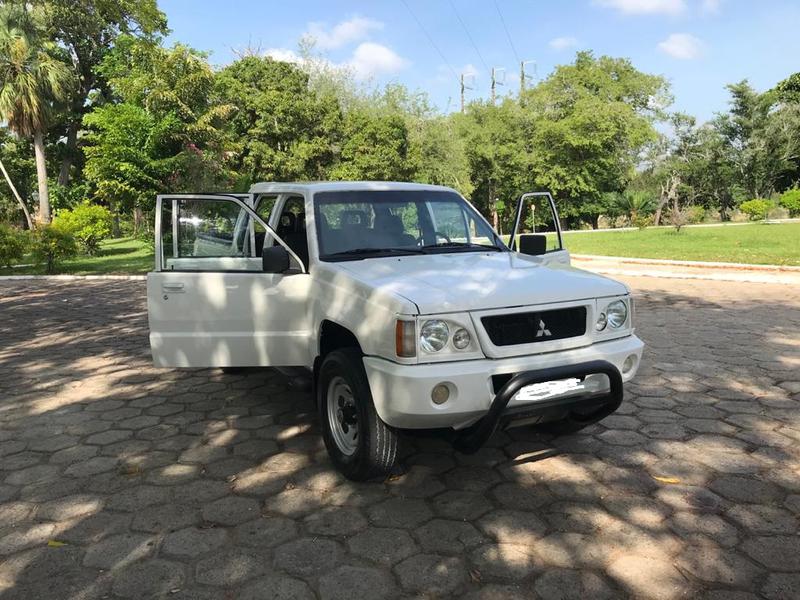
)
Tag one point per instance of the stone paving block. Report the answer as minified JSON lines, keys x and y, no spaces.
{"x":149,"y":579}
{"x":266,"y":532}
{"x":308,"y":556}
{"x":567,"y":584}
{"x":231,"y":511}
{"x":193,"y":541}
{"x":278,"y":587}
{"x":229,"y":569}
{"x":431,"y":574}
{"x":348,"y":582}
{"x":384,"y":546}
{"x":118,"y":551}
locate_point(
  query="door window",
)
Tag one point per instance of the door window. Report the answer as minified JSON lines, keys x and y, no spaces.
{"x":537,"y":218}
{"x":209,"y":234}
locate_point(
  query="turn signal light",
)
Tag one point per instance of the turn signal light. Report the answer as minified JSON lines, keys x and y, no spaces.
{"x":405,"y":339}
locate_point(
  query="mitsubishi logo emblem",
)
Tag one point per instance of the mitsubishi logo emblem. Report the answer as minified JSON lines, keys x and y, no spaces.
{"x":543,"y":330}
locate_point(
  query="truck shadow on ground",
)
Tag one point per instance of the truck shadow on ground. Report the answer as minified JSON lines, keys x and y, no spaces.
{"x":119,"y":479}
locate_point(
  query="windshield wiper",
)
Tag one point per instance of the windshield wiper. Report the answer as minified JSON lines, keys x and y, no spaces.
{"x":365,"y":251}
{"x":467,"y":245}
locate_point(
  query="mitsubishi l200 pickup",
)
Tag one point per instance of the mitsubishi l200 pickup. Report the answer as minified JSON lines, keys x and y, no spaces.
{"x":401,"y":303}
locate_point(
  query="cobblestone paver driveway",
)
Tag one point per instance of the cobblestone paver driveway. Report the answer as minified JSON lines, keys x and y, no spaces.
{"x":120,"y":480}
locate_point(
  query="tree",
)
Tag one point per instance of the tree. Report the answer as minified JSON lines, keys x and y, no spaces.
{"x":592,"y":120}
{"x":88,"y":30}
{"x":375,"y":148}
{"x":764,"y":138}
{"x":279,"y":129}
{"x":167,"y":129}
{"x":33,"y":78}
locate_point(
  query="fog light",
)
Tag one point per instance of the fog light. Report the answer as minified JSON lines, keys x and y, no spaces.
{"x":440,"y":394}
{"x":629,"y":363}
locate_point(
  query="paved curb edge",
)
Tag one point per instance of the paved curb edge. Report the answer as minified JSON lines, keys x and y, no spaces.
{"x":685,"y":263}
{"x":74,"y":277}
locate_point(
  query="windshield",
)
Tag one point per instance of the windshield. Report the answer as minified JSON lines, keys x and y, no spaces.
{"x":363,"y":224}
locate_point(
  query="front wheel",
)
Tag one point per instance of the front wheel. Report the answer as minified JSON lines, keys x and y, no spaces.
{"x":358,"y":442}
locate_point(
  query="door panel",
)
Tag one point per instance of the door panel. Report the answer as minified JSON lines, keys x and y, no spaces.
{"x":227,"y":319}
{"x":209,"y":303}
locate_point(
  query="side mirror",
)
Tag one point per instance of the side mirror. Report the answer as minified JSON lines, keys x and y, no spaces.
{"x":533,"y":244}
{"x":275,"y":259}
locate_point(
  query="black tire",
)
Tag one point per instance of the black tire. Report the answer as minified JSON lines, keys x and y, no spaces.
{"x":375,"y":447}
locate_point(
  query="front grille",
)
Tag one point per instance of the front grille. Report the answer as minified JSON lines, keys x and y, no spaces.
{"x":537,"y":326}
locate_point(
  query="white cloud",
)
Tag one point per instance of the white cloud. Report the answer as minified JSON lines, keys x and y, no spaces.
{"x":563,"y":43}
{"x":284,"y":55}
{"x":645,"y":7}
{"x":682,"y":46}
{"x":343,"y":33}
{"x":710,"y":6}
{"x":370,"y":59}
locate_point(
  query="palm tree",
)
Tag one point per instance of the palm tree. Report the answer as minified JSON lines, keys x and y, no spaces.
{"x":32,"y":79}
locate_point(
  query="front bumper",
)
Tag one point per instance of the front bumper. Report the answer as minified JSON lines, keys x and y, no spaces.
{"x":402,"y":393}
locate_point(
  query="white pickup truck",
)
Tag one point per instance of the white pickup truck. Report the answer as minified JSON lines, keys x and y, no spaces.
{"x":400,"y":302}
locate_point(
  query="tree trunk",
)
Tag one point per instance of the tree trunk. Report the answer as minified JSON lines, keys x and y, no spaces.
{"x":41,"y":176}
{"x":138,"y":219}
{"x":69,"y":155}
{"x":17,"y":196}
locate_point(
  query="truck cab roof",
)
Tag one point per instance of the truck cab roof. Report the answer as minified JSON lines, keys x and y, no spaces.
{"x":269,"y":187}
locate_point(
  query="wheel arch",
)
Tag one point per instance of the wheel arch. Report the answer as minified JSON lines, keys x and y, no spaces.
{"x":332,"y":336}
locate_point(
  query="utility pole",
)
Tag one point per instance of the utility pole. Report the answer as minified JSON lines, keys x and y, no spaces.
{"x":464,"y":86}
{"x":523,"y":77}
{"x":495,"y":72}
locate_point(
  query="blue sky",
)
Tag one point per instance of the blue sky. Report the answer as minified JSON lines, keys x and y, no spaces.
{"x":698,"y":45}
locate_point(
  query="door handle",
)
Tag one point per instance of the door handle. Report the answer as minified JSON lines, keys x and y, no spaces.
{"x":173,"y":288}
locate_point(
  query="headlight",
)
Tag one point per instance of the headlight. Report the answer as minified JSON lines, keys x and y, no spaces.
{"x":602,"y":321}
{"x":433,"y":335}
{"x":617,"y":314}
{"x":461,"y":339}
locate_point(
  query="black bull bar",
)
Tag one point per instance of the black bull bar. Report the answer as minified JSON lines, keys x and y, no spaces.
{"x":470,"y":439}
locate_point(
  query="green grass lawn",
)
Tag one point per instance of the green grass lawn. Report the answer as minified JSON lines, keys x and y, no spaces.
{"x":124,"y":256}
{"x":756,"y":243}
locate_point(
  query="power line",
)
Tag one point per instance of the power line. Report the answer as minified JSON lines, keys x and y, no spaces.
{"x":430,"y":40}
{"x":453,"y":6}
{"x":508,"y":35}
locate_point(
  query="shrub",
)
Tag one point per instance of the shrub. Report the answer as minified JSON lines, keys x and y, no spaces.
{"x":52,"y":244}
{"x":643,"y":221}
{"x":12,"y":245}
{"x":695,"y":214}
{"x":756,"y":209}
{"x":790,"y":200}
{"x":88,"y":223}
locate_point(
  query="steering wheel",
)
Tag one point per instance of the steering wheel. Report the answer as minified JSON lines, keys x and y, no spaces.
{"x":437,"y":234}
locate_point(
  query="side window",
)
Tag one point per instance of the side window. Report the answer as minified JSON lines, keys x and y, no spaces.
{"x":207,"y":235}
{"x":264,"y":206}
{"x":291,"y":227}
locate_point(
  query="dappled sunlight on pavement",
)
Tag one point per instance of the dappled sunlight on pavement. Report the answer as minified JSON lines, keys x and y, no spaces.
{"x":121,"y":480}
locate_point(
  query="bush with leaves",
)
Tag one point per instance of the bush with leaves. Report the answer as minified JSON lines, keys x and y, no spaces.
{"x":51,"y":245}
{"x":88,"y":223}
{"x":756,"y":209}
{"x":790,"y":200}
{"x":12,"y":245}
{"x":695,"y":214}
{"x":642,"y":221}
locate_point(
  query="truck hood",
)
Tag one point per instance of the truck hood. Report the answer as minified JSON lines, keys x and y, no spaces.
{"x":465,"y":281}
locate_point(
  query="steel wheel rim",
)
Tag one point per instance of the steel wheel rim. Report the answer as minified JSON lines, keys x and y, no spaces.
{"x":342,"y":416}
